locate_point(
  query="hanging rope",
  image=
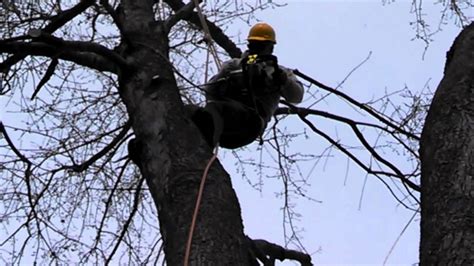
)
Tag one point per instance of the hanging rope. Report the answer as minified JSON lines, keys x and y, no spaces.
{"x":207,"y":34}
{"x":196,"y":207}
{"x":210,"y":51}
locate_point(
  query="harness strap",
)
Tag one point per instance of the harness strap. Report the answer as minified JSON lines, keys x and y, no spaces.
{"x":249,"y":89}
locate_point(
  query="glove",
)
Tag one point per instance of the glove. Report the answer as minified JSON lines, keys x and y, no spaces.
{"x":279,"y":76}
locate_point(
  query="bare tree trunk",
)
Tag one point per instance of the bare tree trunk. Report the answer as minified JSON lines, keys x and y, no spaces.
{"x":447,"y":162}
{"x":173,"y":155}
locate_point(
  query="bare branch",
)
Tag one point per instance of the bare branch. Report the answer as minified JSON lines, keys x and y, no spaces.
{"x":49,"y":73}
{"x":87,"y":59}
{"x":109,"y":202}
{"x":216,"y":33}
{"x":56,"y":22}
{"x":273,"y":252}
{"x":112,"y":13}
{"x":354,"y":102}
{"x":104,"y":151}
{"x":182,"y":13}
{"x":370,"y":149}
{"x":369,"y":170}
{"x":12,"y":146}
{"x":62,"y":18}
{"x":79,"y":46}
{"x":136,"y":202}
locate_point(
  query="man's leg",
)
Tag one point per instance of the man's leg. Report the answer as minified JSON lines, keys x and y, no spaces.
{"x":203,"y":121}
{"x":229,"y":123}
{"x":242,"y":125}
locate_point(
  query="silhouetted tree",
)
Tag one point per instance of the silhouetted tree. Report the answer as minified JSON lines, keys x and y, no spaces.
{"x":447,"y":162}
{"x":103,"y":72}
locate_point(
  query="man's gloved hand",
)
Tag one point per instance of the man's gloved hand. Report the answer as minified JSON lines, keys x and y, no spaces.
{"x":279,"y":76}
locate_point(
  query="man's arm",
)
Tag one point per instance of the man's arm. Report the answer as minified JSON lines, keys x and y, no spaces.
{"x":215,"y":88}
{"x":292,"y":89}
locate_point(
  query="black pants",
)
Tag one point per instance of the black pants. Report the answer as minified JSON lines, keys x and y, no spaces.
{"x":230,"y":123}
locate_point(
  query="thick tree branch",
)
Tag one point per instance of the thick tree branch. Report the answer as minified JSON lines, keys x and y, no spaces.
{"x":27,"y":172}
{"x":78,"y":46}
{"x":272,"y":252}
{"x":56,"y":22}
{"x":216,"y":33}
{"x":183,"y":13}
{"x":87,"y":59}
{"x":64,"y":17}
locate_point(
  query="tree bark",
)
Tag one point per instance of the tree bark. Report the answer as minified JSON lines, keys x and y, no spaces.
{"x":173,"y":154}
{"x":447,"y":162}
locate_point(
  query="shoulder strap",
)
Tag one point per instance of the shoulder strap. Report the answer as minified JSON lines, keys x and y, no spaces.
{"x":252,"y":73}
{"x":247,"y":93}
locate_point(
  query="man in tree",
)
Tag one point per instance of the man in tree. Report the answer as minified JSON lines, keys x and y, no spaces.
{"x":243,"y":96}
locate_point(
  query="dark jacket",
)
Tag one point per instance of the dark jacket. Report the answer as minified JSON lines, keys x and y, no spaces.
{"x":228,"y":83}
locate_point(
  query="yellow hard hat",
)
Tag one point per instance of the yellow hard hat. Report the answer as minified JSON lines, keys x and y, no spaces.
{"x":262,"y":32}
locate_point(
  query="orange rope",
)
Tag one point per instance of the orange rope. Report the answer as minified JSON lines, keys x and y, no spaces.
{"x":211,"y":51}
{"x":196,"y":208}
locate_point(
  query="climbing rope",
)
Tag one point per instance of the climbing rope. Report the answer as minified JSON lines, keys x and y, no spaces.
{"x":210,"y":51}
{"x":207,"y":34}
{"x":196,"y":207}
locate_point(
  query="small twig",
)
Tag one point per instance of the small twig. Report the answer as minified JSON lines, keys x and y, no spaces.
{"x":113,"y":14}
{"x":12,"y":146}
{"x":216,"y":32}
{"x":399,"y":236}
{"x":83,"y":166}
{"x":109,"y":202}
{"x":136,"y":202}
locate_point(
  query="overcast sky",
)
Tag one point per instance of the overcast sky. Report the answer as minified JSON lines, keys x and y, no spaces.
{"x":326,"y":40}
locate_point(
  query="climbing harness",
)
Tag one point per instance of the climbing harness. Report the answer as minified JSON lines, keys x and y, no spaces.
{"x":257,"y":76}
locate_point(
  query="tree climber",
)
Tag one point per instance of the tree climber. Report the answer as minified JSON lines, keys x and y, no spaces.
{"x":243,"y":96}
